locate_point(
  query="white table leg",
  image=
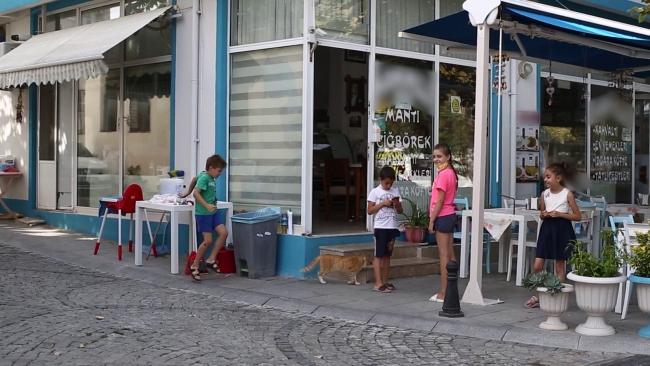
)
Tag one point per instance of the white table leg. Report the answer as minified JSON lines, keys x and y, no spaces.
{"x":174,"y":241}
{"x":464,"y":239}
{"x":138,"y":236}
{"x":504,"y":241}
{"x":521,"y":251}
{"x":229,"y":224}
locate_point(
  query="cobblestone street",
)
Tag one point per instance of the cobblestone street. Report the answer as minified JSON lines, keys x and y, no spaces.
{"x":57,"y":314}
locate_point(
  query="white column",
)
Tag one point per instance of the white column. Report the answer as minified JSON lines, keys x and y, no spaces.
{"x":473,"y":293}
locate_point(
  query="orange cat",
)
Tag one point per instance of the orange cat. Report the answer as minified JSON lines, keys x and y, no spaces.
{"x":330,"y":262}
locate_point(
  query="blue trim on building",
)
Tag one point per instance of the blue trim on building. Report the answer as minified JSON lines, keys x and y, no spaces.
{"x":221,"y":92}
{"x":495,"y":155}
{"x":295,"y":252}
{"x":33,"y":123}
{"x":172,"y":121}
{"x":62,"y":4}
{"x":7,"y":5}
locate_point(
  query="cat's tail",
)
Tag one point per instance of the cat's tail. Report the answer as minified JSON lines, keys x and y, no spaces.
{"x":311,"y":265}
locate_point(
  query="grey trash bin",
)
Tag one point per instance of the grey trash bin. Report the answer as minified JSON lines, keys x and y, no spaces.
{"x":255,"y":237}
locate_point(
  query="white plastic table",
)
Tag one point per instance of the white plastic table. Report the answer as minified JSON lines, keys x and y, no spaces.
{"x":10,"y":179}
{"x":173,"y":210}
{"x":523,"y":217}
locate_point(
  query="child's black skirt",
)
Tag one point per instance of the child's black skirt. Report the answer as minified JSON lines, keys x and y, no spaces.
{"x":555,"y":237}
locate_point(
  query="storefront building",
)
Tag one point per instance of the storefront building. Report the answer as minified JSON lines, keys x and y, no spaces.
{"x":286,"y":85}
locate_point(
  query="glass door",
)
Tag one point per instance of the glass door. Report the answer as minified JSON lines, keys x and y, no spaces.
{"x":46,"y":166}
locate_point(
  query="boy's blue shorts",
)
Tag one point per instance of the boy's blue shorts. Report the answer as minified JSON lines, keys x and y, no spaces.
{"x":207,"y":223}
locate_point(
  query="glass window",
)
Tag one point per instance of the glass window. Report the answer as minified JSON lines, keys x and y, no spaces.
{"x":59,"y":21}
{"x":404,"y":112}
{"x":98,"y":151}
{"x":562,"y":127}
{"x":611,"y":122}
{"x":344,"y":20}
{"x":456,"y":125}
{"x":155,"y":39}
{"x":397,"y":15}
{"x":266,"y":129}
{"x":256,"y":21}
{"x":449,"y":7}
{"x":101,"y":14}
{"x":147,"y":112}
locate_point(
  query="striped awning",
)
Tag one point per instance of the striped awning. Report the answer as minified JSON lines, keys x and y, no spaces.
{"x":69,"y":54}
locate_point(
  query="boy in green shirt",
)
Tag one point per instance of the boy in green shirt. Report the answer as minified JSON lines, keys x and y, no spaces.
{"x":204,"y":190}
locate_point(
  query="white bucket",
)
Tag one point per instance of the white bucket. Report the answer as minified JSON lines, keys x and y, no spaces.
{"x":171,"y":186}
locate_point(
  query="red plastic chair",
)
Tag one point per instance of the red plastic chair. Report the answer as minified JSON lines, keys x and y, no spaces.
{"x":122,"y":206}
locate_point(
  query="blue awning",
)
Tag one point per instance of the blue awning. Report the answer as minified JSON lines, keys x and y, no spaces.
{"x":622,"y":49}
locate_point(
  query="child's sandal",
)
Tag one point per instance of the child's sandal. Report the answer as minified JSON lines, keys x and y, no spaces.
{"x":389,"y":286}
{"x":533,"y":302}
{"x":196,"y":274}
{"x":213,"y":266}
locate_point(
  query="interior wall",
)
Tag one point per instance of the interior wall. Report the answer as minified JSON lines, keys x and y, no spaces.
{"x":330,"y":91}
{"x":14,"y":136}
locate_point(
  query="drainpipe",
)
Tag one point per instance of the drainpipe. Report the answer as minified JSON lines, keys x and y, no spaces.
{"x":196,"y":18}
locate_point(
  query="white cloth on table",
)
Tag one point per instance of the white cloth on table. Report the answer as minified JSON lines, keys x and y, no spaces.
{"x":497,"y":223}
{"x":169,"y":198}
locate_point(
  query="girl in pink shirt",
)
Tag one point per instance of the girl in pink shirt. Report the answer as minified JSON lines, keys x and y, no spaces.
{"x":442,"y":212}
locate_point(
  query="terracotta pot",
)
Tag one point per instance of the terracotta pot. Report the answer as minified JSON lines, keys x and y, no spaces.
{"x":596,"y":297}
{"x":642,"y":285}
{"x":417,"y":236}
{"x":554,"y":305}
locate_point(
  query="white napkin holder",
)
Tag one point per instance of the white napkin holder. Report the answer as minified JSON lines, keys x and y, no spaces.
{"x":643,"y":199}
{"x":533,"y":203}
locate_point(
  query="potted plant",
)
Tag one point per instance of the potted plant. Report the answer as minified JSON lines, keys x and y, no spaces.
{"x":638,"y":258}
{"x":597,"y":280}
{"x":416,"y":224}
{"x":553,"y":297}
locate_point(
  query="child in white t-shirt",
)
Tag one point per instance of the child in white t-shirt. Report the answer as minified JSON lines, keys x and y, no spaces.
{"x":385,"y":203}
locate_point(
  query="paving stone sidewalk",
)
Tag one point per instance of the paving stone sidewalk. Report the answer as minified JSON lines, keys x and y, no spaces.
{"x":58,"y":314}
{"x":407,"y":308}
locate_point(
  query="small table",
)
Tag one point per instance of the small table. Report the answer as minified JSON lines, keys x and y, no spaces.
{"x":523,"y":217}
{"x":622,"y":209}
{"x":173,"y":210}
{"x":10,"y":176}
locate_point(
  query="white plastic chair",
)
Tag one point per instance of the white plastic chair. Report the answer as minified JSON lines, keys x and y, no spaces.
{"x":464,"y":202}
{"x":629,"y":233}
{"x":530,"y":241}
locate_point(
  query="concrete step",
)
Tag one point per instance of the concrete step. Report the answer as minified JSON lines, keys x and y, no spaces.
{"x":400,"y":250}
{"x":399,"y":268}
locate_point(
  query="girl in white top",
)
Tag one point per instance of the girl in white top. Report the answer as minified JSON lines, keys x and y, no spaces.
{"x":558,"y":210}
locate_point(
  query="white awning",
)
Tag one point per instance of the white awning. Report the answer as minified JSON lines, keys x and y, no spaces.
{"x":69,"y":54}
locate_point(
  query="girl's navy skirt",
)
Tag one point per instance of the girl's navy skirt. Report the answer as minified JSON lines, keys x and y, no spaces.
{"x":555,"y":237}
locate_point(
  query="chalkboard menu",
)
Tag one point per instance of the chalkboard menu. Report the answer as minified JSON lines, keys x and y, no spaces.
{"x":611,"y":152}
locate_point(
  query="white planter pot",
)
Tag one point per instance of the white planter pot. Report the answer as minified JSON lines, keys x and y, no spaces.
{"x":554,"y":305}
{"x":642,"y":286}
{"x":596,"y":297}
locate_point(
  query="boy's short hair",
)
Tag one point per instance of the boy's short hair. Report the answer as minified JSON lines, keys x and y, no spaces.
{"x":387,"y":172}
{"x":215,"y":161}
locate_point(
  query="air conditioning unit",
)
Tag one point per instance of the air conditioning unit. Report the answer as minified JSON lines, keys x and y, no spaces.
{"x":6,"y":47}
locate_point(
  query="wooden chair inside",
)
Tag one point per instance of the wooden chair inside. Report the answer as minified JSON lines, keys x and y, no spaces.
{"x":336,"y":182}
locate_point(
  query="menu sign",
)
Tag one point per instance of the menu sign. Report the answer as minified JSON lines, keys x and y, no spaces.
{"x":611,"y":153}
{"x":527,"y":132}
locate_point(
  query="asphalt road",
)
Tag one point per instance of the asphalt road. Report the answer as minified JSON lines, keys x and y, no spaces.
{"x":52,"y":313}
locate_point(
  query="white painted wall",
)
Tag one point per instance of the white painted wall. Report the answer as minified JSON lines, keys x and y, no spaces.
{"x":14,"y":136}
{"x":207,"y":80}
